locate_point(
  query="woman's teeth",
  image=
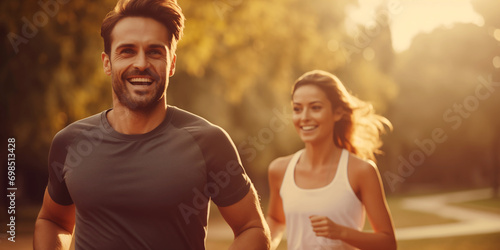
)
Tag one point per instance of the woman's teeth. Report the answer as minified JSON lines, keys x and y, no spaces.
{"x":307,"y":128}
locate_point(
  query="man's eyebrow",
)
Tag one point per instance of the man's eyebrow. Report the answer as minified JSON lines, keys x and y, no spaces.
{"x":131,"y":45}
{"x":157,"y":46}
{"x":125,"y":45}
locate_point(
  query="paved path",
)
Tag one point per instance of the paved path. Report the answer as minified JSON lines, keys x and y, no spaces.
{"x":469,"y":221}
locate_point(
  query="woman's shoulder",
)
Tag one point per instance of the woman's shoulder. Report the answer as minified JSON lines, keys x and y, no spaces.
{"x":358,"y":166}
{"x":277,"y":167}
{"x":361,"y":172}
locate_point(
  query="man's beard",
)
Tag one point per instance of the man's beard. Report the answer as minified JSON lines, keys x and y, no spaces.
{"x":136,"y":101}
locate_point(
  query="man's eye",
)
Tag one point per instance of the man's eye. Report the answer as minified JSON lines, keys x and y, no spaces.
{"x":296,"y":109}
{"x":127,"y":51}
{"x":154,"y":52}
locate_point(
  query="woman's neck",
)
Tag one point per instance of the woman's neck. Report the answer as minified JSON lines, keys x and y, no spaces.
{"x":321,"y":154}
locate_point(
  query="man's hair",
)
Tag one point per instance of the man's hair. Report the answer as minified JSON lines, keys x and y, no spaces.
{"x":167,"y":12}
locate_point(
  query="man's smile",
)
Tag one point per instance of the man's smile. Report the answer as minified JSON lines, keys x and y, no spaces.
{"x":140,"y":80}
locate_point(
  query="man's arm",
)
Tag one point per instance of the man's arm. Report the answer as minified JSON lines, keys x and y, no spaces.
{"x":275,"y":213}
{"x":246,"y":219}
{"x":54,"y":225}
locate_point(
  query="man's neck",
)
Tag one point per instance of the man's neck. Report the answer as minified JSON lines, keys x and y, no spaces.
{"x":132,"y":122}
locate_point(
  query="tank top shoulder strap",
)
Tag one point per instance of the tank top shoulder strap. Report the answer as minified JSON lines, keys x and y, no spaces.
{"x":344,"y":159}
{"x":342,"y":175}
{"x":342,"y":167}
{"x":288,"y":178}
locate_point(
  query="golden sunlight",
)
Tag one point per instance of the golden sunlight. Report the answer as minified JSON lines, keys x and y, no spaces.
{"x":410,"y":17}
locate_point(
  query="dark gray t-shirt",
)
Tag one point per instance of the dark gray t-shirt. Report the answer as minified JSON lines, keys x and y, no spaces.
{"x":148,"y":191}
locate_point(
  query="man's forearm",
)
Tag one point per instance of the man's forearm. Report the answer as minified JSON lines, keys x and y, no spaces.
{"x":253,"y":238}
{"x":276,"y":229}
{"x":49,"y":235}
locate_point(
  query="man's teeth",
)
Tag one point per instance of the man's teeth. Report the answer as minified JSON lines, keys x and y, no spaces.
{"x":308,"y":127}
{"x":140,"y":80}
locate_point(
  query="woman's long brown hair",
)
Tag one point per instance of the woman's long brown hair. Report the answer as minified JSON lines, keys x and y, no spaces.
{"x":360,"y":128}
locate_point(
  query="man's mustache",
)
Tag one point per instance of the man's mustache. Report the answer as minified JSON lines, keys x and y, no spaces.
{"x":146,"y":72}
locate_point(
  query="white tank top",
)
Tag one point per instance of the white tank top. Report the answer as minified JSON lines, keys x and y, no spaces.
{"x":336,"y":200}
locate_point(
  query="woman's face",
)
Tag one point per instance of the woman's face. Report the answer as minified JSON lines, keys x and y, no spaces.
{"x":313,"y":116}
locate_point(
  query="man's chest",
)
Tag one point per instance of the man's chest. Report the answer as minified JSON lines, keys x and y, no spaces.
{"x":136,"y":175}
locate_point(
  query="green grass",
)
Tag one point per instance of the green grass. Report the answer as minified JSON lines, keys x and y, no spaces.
{"x":407,"y":218}
{"x":480,"y":242}
{"x":491,"y":205}
{"x":403,"y":217}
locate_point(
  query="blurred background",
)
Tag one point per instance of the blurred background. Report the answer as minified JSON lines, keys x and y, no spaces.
{"x":431,"y":67}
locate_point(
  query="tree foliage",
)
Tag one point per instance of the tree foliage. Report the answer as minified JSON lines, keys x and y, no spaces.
{"x":447,"y":81}
{"x":235,"y":66}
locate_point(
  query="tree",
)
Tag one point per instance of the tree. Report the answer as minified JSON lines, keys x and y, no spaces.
{"x":445,"y":89}
{"x":492,"y":24}
{"x":235,"y":66}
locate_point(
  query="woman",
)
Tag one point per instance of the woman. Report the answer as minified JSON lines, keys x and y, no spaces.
{"x":322,"y":192}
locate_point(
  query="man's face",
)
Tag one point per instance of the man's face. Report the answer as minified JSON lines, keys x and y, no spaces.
{"x":139,"y":62}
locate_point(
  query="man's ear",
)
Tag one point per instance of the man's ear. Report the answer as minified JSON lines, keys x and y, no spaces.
{"x":172,"y":66}
{"x":106,"y":63}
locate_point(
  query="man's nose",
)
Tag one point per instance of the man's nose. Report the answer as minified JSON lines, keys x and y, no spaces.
{"x":141,"y":61}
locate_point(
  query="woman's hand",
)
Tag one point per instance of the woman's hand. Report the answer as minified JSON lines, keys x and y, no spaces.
{"x":324,"y":227}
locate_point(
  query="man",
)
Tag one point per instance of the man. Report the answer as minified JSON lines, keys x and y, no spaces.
{"x":140,"y":175}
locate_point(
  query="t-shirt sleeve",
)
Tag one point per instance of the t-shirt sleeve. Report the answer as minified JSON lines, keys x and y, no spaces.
{"x":57,"y":156}
{"x":225,"y":172}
